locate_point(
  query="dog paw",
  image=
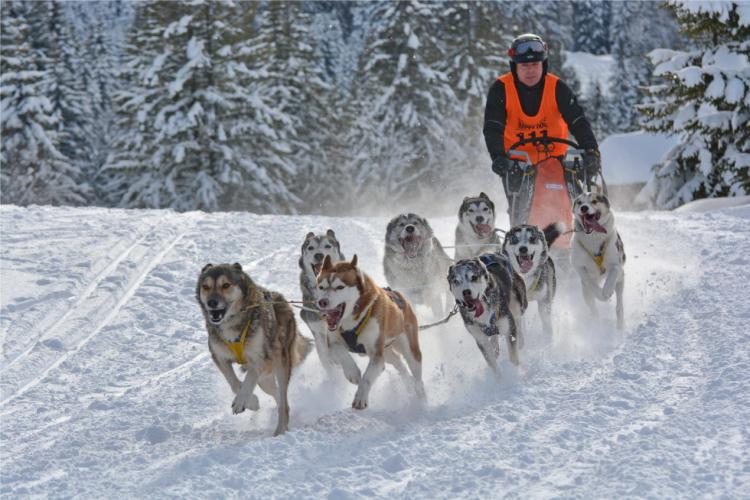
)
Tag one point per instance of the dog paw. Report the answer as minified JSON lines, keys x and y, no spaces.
{"x":279,"y":431}
{"x":245,"y":402}
{"x":359,"y":403}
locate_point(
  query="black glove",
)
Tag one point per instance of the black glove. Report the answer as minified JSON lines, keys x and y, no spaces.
{"x":500,"y":165}
{"x":592,"y":163}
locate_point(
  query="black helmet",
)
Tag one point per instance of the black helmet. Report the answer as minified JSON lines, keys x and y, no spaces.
{"x":528,"y":48}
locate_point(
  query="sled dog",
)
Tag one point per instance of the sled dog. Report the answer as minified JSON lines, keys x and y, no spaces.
{"x":255,"y":328}
{"x":314,"y":250}
{"x":415,"y":262}
{"x":366,"y":319}
{"x":492,"y":299}
{"x":598,"y":254}
{"x":475,"y":233}
{"x":527,"y":248}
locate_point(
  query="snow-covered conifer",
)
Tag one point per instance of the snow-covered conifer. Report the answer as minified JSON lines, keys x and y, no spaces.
{"x":705,"y":98}
{"x":34,"y":170}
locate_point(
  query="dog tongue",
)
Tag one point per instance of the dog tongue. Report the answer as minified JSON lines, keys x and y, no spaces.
{"x":332,"y":318}
{"x":411,"y":246}
{"x":526,"y":264}
{"x":590,"y":222}
{"x":316,"y":268}
{"x":483,"y":229}
{"x":478,"y":308}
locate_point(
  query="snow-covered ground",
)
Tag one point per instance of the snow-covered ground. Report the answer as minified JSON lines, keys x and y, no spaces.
{"x":107,"y":387}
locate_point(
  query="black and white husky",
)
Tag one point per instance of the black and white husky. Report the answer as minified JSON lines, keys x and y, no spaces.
{"x":475,"y":233}
{"x":598,"y":254}
{"x":313,"y":253}
{"x":527,"y":248}
{"x":492,"y":299}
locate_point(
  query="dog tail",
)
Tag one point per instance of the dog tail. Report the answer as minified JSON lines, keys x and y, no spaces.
{"x":552,"y":232}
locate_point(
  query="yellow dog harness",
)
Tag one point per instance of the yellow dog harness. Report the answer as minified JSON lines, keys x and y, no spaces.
{"x":598,"y":257}
{"x":238,"y":347}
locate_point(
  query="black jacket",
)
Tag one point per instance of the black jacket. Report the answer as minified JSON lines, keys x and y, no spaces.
{"x":531,"y":99}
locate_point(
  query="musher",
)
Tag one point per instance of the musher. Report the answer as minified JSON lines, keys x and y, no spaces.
{"x":530,"y":102}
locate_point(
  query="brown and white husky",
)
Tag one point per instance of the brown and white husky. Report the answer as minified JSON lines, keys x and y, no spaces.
{"x":365,"y":319}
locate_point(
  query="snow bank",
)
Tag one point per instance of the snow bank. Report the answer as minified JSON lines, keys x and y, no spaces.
{"x":628,"y":158}
{"x":712,"y":204}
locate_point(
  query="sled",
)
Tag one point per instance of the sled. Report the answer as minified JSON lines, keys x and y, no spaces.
{"x":543,"y":193}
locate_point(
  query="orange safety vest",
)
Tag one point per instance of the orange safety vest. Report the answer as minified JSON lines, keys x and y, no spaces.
{"x":519,"y":125}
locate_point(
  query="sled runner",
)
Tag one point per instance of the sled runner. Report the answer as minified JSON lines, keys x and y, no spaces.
{"x":542,"y":193}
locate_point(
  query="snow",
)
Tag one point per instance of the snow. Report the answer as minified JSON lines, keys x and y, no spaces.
{"x":713,"y":204}
{"x":628,"y":158}
{"x":592,"y":69}
{"x":107,"y":387}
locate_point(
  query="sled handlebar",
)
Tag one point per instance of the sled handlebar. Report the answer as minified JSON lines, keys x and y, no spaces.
{"x":544,"y":140}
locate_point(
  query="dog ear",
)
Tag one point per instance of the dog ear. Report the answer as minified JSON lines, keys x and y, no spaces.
{"x":206,"y":267}
{"x":354,"y":261}
{"x":245,"y":284}
{"x":427,"y":225}
{"x":309,"y":235}
{"x":483,"y":195}
{"x":327,"y":263}
{"x":331,"y":234}
{"x":237,"y":266}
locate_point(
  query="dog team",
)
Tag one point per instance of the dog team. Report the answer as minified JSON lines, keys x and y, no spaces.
{"x":490,"y":282}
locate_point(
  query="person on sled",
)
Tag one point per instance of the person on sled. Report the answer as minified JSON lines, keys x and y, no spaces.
{"x":529,"y":102}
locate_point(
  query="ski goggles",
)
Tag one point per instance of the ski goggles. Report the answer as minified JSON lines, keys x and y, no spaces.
{"x":528,"y":46}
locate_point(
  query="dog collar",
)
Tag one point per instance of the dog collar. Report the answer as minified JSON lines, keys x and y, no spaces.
{"x":238,"y":346}
{"x":350,"y":336}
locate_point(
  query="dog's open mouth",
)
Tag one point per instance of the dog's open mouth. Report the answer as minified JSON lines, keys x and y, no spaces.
{"x":591,"y":223}
{"x":316,"y":268}
{"x":333,"y":316}
{"x":482,"y":230}
{"x":411,"y":244}
{"x":525,"y":262}
{"x":472,"y":305}
{"x":216,"y":315}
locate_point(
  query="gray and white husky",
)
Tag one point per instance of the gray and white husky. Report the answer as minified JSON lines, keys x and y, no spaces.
{"x":598,"y":254}
{"x":314,"y":251}
{"x":527,"y":247}
{"x":492,"y":299}
{"x":475,"y":232}
{"x":415,"y":262}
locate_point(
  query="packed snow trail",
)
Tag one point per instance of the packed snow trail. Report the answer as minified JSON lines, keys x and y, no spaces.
{"x":107,"y":386}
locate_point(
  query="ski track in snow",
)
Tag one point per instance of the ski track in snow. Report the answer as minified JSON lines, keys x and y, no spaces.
{"x":107,"y":385}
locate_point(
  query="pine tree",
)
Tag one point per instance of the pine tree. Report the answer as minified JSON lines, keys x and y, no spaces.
{"x":591,"y":20}
{"x":294,"y":79}
{"x":198,"y":132}
{"x":633,"y":70}
{"x":705,"y":98}
{"x":402,"y":100}
{"x":34,"y":170}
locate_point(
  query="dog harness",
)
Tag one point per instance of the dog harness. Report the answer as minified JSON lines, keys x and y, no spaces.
{"x":350,"y":336}
{"x":395,"y":297}
{"x":598,"y":257}
{"x":238,"y":346}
